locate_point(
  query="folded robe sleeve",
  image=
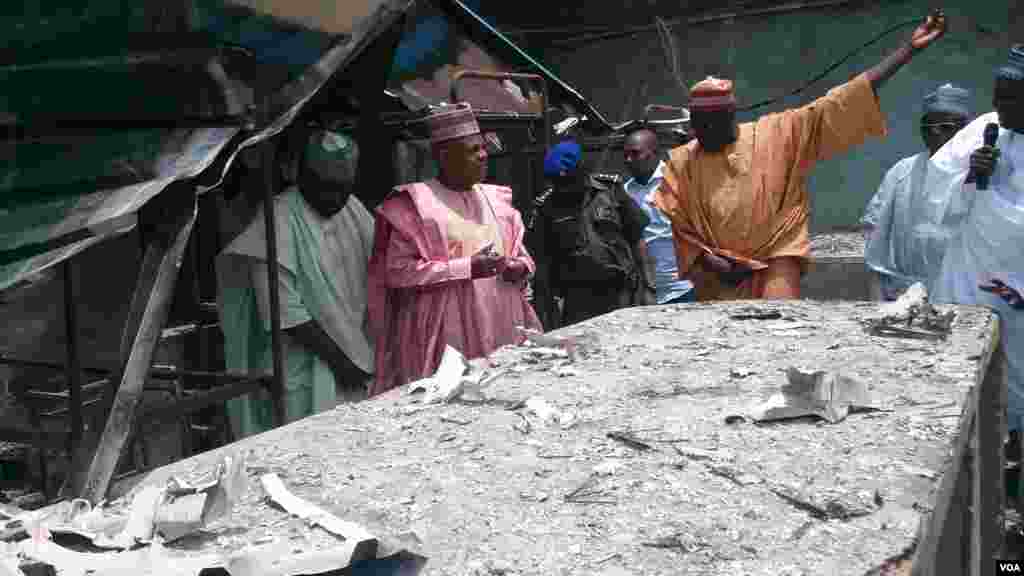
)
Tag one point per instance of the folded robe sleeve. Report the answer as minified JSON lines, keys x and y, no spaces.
{"x":407,"y":268}
{"x":668,"y":199}
{"x":521,"y":254}
{"x":841,"y":119}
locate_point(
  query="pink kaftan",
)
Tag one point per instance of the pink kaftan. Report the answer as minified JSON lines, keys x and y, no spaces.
{"x":421,"y":296}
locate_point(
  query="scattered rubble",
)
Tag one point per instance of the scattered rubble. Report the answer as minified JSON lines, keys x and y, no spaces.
{"x":911,"y":316}
{"x":828,"y":396}
{"x":511,"y":490}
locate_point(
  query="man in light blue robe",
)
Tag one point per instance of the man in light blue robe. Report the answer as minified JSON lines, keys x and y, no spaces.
{"x":904,"y":245}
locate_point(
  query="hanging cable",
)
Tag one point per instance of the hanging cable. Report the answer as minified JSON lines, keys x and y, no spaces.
{"x":837,"y":64}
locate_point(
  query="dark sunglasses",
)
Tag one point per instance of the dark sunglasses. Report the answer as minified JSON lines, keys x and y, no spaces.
{"x":943,"y":126}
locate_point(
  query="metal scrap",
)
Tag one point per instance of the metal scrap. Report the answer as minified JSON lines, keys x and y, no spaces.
{"x":832,"y":508}
{"x":587,"y":493}
{"x":629,"y":440}
{"x":756,"y":314}
{"x":681,"y":542}
{"x":911,"y":316}
{"x":821,"y":394}
{"x":364,"y":543}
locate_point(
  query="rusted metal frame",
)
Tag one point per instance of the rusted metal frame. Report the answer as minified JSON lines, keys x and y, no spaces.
{"x":277,"y":349}
{"x":156,"y":373}
{"x":73,"y":372}
{"x":248,"y":383}
{"x":664,"y":108}
{"x":56,"y":441}
{"x":170,"y":411}
{"x":483,"y":75}
{"x":147,"y":316}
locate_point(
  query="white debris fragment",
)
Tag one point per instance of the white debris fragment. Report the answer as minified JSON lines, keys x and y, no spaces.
{"x":608,"y":468}
{"x":539,"y":409}
{"x":447,"y":382}
{"x":566,"y":371}
{"x":826,"y":395}
{"x":916,"y":295}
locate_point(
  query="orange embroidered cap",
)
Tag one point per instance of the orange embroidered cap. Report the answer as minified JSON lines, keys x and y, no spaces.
{"x":712,"y":94}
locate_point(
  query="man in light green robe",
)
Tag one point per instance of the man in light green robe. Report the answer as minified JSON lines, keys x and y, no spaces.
{"x":324,"y":241}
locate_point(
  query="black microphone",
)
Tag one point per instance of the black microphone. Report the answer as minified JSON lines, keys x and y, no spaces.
{"x":991,"y":135}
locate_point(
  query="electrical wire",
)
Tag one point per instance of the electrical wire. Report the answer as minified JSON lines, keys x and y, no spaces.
{"x":596,"y":34}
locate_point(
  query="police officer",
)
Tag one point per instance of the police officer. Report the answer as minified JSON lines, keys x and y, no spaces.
{"x":593,"y":238}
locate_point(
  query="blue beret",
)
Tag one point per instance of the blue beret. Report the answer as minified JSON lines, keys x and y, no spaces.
{"x":563,"y":157}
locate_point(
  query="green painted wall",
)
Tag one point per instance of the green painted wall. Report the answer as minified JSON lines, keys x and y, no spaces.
{"x":768,"y":55}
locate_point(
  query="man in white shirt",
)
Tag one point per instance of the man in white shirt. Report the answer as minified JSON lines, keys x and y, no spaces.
{"x":988,"y":242}
{"x":645,"y":168}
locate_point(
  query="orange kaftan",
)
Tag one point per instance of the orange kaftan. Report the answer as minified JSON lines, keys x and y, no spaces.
{"x":750,"y":202}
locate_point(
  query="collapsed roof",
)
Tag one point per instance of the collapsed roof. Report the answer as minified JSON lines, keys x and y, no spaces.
{"x":109,"y":102}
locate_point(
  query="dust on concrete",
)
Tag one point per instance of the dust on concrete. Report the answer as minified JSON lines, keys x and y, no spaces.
{"x":486,"y":495}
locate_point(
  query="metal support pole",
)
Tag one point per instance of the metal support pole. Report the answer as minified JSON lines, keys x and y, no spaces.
{"x":277,"y":351}
{"x":146,"y":318}
{"x":74,"y":372}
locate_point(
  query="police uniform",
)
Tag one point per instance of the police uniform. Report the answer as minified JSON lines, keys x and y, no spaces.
{"x":559,"y":213}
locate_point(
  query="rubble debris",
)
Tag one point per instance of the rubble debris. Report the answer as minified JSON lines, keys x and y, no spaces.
{"x":629,"y":440}
{"x":704,"y":455}
{"x":656,"y":394}
{"x":364,"y":544}
{"x":820,"y":394}
{"x":588,"y":493}
{"x":456,"y":421}
{"x":801,"y":531}
{"x":831,"y":506}
{"x":741,"y":373}
{"x":607,"y":468}
{"x":523,"y":426}
{"x":168,"y":511}
{"x":29,"y":568}
{"x":608,"y":558}
{"x":394,"y":556}
{"x":447,"y":383}
{"x":152,"y":559}
{"x":754,"y":313}
{"x":566,"y":371}
{"x":546,"y":413}
{"x":683,"y":543}
{"x":736,"y":477}
{"x":549,"y":341}
{"x":897,"y":319}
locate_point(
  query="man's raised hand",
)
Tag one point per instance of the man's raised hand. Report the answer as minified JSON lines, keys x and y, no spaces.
{"x":932,"y":29}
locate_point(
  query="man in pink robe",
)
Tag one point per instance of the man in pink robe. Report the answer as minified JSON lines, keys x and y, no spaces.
{"x":448,"y":267}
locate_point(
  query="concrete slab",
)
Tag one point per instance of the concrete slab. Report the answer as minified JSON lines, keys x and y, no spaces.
{"x":707,"y":497}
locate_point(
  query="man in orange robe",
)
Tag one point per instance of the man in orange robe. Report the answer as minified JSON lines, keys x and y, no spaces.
{"x":737,"y":195}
